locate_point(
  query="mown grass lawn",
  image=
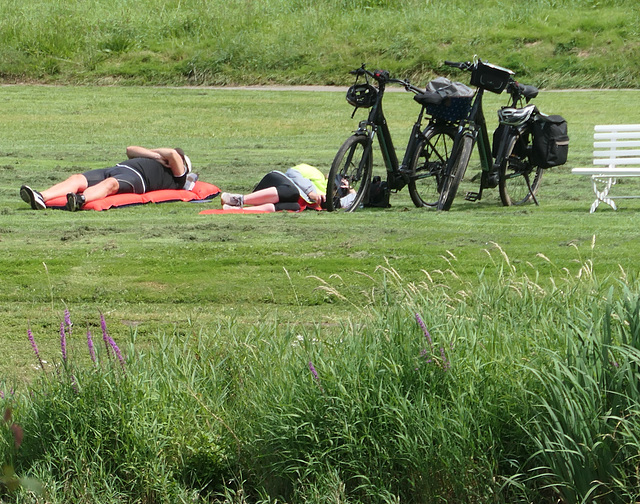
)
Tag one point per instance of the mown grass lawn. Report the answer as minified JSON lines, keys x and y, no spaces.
{"x":153,"y":267}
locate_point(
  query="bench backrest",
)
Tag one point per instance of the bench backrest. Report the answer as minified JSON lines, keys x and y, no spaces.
{"x":616,"y":144}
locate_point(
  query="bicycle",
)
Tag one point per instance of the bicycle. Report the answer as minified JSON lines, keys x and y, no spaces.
{"x":508,"y":162}
{"x":425,"y":158}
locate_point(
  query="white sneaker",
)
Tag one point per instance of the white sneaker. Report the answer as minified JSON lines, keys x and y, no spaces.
{"x":34,"y":198}
{"x":192,"y":178}
{"x":230,"y":199}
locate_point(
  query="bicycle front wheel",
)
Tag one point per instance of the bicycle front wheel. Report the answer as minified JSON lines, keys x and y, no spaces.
{"x":350,"y":174}
{"x":458,"y":168}
{"x":519,"y":180}
{"x":429,"y":164}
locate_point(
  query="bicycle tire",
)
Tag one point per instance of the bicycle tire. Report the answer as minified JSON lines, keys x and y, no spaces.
{"x":453,"y":179}
{"x":516,"y":185}
{"x":429,"y":164}
{"x":353,"y":162}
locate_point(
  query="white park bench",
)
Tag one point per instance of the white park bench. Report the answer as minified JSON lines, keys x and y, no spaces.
{"x":616,"y":155}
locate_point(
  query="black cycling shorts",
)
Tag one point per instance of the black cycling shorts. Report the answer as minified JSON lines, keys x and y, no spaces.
{"x":288,"y":194}
{"x":129,"y":180}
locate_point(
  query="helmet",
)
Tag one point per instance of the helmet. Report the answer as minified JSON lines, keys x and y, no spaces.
{"x":362,"y":95}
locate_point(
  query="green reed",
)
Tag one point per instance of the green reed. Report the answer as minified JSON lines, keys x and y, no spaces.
{"x":517,"y":387}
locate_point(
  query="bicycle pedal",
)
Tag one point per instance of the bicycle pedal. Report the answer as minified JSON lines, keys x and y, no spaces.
{"x":472,"y":196}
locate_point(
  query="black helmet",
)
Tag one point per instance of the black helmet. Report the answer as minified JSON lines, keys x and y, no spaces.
{"x":362,"y":95}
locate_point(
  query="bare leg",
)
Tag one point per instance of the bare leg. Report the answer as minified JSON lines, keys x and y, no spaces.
{"x":265,"y":207}
{"x":101,"y":190}
{"x":268,"y":195}
{"x":74,"y":184}
{"x":78,"y":184}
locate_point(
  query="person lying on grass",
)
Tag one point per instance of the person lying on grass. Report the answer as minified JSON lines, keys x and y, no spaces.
{"x":145,"y":170}
{"x":283,"y":191}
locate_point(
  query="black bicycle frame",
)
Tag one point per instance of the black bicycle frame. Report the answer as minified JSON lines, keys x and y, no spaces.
{"x":380,"y":127}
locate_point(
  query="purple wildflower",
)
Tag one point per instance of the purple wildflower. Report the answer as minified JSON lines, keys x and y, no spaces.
{"x":34,"y":346}
{"x":116,"y":350}
{"x":424,"y":330}
{"x":63,"y":342}
{"x":313,"y":371}
{"x":1,"y":394}
{"x":105,"y":334}
{"x":425,"y":355}
{"x":92,"y":350}
{"x":67,"y":320}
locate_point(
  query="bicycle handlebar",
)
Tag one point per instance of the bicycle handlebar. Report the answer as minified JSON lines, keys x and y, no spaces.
{"x":382,"y":76}
{"x":463,"y":65}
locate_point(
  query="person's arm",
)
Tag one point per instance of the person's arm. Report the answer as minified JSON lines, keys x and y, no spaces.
{"x":167,"y":156}
{"x":306,"y":185}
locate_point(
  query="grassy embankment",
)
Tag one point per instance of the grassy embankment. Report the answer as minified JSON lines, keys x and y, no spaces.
{"x":558,"y":44}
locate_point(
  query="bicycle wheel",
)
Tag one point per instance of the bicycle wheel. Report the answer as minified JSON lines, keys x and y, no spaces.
{"x":352,"y":164}
{"x":428,"y":165}
{"x":519,"y":180}
{"x":452,"y":180}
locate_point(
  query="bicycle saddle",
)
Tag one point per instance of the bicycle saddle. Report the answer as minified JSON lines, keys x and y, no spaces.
{"x":528,"y":91}
{"x":428,"y":98}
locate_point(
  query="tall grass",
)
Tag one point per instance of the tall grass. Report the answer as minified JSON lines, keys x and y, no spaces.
{"x":514,"y":389}
{"x":560,"y":43}
{"x":586,"y":432}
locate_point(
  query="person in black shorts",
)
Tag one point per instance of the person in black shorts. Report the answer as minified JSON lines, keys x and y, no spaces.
{"x":145,"y":170}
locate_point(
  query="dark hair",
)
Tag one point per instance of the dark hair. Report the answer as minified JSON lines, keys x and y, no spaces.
{"x":180,"y":151}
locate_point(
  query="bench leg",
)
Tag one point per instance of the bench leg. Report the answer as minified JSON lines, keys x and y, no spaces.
{"x":602,"y":196}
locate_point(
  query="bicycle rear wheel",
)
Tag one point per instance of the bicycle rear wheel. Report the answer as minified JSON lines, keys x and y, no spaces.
{"x":352,"y":165}
{"x":519,"y":180}
{"x":429,"y":164}
{"x":458,"y":168}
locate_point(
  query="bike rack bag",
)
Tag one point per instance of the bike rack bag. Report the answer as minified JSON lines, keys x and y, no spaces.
{"x":456,"y":99}
{"x":490,"y":77}
{"x":550,"y":141}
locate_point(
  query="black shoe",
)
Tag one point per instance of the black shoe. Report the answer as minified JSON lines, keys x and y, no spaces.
{"x":74,"y":202}
{"x":34,"y":198}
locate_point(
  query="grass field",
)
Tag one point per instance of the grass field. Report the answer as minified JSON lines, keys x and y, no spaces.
{"x":157,"y":266}
{"x":553,"y":43}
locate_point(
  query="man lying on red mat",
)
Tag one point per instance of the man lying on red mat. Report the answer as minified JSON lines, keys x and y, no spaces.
{"x":145,"y":170}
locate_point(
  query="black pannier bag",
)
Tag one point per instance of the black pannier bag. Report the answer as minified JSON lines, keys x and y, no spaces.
{"x":378,"y":193}
{"x":550,"y":141}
